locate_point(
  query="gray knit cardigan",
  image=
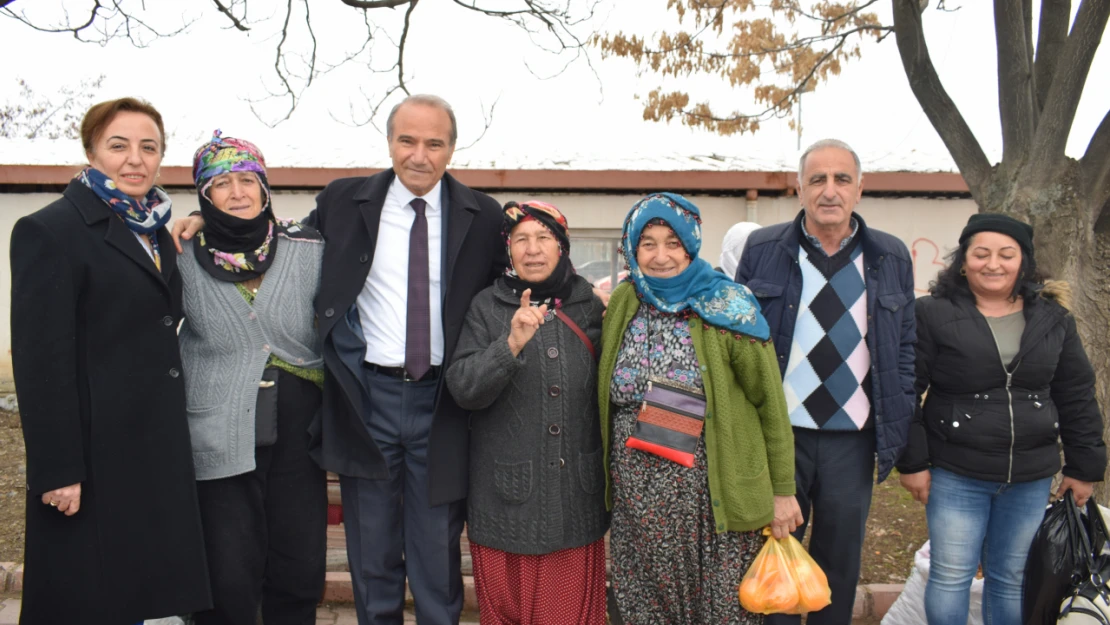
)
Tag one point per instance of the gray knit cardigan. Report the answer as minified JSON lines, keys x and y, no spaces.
{"x":225,"y":343}
{"x":536,"y":477}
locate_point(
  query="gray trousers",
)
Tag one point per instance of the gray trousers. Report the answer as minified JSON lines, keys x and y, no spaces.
{"x":392,"y":531}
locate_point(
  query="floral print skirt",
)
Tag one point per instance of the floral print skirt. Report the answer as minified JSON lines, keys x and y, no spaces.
{"x":669,"y":563}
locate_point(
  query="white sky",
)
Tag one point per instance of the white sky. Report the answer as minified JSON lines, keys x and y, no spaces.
{"x":200,"y":80}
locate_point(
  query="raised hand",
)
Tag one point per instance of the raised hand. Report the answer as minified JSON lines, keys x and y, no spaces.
{"x":526,"y":321}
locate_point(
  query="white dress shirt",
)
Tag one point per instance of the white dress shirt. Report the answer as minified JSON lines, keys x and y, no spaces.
{"x":383,"y":302}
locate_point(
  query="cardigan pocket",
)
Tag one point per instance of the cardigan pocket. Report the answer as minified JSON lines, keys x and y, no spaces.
{"x":513,"y":480}
{"x":207,"y":429}
{"x":752,"y":497}
{"x":590,"y":472}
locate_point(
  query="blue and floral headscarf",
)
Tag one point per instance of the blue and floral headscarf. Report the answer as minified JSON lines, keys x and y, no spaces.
{"x":715,"y":298}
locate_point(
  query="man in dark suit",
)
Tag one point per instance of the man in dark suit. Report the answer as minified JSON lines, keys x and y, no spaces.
{"x":406,"y":251}
{"x":388,"y":427}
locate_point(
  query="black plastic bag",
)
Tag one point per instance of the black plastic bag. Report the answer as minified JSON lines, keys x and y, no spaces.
{"x":1060,"y":556}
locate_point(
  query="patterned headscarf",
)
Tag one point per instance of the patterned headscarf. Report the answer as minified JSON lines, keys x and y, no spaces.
{"x":237,"y":249}
{"x":715,"y":298}
{"x":558,"y":285}
{"x":223,"y":155}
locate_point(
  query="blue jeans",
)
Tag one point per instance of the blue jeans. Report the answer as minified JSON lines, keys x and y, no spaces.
{"x":971,"y":522}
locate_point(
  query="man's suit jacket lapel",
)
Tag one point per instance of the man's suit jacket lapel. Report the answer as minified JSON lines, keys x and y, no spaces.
{"x":459,"y":212}
{"x":370,"y":198}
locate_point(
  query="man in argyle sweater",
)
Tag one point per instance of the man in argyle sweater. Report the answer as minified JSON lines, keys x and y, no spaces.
{"x":839,"y":299}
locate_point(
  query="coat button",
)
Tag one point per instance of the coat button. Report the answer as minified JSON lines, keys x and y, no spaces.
{"x":562,"y":463}
{"x":252,"y":316}
{"x":329,"y":312}
{"x":365,"y":257}
{"x":554,"y":429}
{"x":554,"y":391}
{"x":266,"y":349}
{"x":552,"y":352}
{"x":174,"y":373}
{"x":167,"y":321}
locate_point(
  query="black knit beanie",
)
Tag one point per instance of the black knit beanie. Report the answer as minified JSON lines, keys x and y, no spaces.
{"x":997,"y":222}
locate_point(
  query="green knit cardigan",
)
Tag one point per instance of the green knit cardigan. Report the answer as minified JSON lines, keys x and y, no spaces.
{"x":748,"y":439}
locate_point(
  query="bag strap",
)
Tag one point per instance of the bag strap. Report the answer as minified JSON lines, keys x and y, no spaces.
{"x":574,"y":327}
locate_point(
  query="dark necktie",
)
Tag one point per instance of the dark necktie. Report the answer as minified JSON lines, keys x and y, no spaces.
{"x":418,"y":330}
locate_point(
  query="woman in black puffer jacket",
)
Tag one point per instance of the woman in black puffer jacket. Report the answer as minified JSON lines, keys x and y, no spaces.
{"x":1006,"y":379}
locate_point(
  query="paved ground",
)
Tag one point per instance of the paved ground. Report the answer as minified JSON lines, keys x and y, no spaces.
{"x":325,"y":615}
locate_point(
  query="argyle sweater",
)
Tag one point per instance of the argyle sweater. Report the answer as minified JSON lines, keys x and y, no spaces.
{"x":828,"y":375}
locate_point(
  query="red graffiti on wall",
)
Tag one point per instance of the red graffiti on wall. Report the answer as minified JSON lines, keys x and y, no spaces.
{"x":927,"y":261}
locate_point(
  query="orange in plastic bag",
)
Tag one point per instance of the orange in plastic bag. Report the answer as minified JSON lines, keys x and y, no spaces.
{"x":784,"y":579}
{"x":767,"y":587}
{"x":813,"y":586}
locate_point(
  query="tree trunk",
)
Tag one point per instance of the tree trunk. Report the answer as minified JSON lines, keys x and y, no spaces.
{"x":1068,"y":248}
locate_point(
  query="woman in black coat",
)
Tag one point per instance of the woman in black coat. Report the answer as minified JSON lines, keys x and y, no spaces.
{"x":1007,"y":378}
{"x":113,"y":532}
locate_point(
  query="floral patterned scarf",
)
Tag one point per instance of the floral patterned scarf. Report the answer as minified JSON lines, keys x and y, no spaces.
{"x":714,"y":297}
{"x":144,"y":217}
{"x":233,"y":249}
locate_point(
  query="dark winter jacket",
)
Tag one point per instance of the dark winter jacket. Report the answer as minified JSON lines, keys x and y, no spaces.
{"x":102,"y":400}
{"x":536,"y":479}
{"x":978,"y":421}
{"x":769,"y":267}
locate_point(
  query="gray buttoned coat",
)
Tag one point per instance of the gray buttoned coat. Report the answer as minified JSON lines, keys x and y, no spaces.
{"x":536,"y":476}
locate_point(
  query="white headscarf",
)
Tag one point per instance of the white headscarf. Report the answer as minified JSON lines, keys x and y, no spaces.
{"x":732,"y":248}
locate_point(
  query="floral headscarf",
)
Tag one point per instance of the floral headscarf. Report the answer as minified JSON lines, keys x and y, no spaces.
{"x":237,"y":249}
{"x":715,"y":298}
{"x":558,"y":285}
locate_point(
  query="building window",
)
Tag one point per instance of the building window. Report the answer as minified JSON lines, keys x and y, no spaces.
{"x":595,"y":257}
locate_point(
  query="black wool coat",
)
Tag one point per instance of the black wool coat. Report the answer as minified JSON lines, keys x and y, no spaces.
{"x":347,"y":213}
{"x":102,"y":402}
{"x":974,"y":425}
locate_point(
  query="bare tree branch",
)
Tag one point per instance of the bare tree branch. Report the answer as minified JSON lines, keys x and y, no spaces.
{"x":1067,"y":86}
{"x":487,"y":121}
{"x":401,"y":49}
{"x":312,"y":36}
{"x":1015,"y":88}
{"x":106,"y":21}
{"x":299,"y":56}
{"x":1051,"y":35}
{"x":280,"y":70}
{"x":374,"y":4}
{"x":239,"y":25}
{"x":934,"y":100}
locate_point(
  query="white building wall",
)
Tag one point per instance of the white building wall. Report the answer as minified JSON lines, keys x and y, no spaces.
{"x":929,"y":227}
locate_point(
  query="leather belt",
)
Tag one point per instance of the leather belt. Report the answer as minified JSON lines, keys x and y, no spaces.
{"x":400,"y":373}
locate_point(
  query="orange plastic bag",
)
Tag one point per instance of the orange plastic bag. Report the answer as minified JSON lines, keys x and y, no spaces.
{"x":783,"y":579}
